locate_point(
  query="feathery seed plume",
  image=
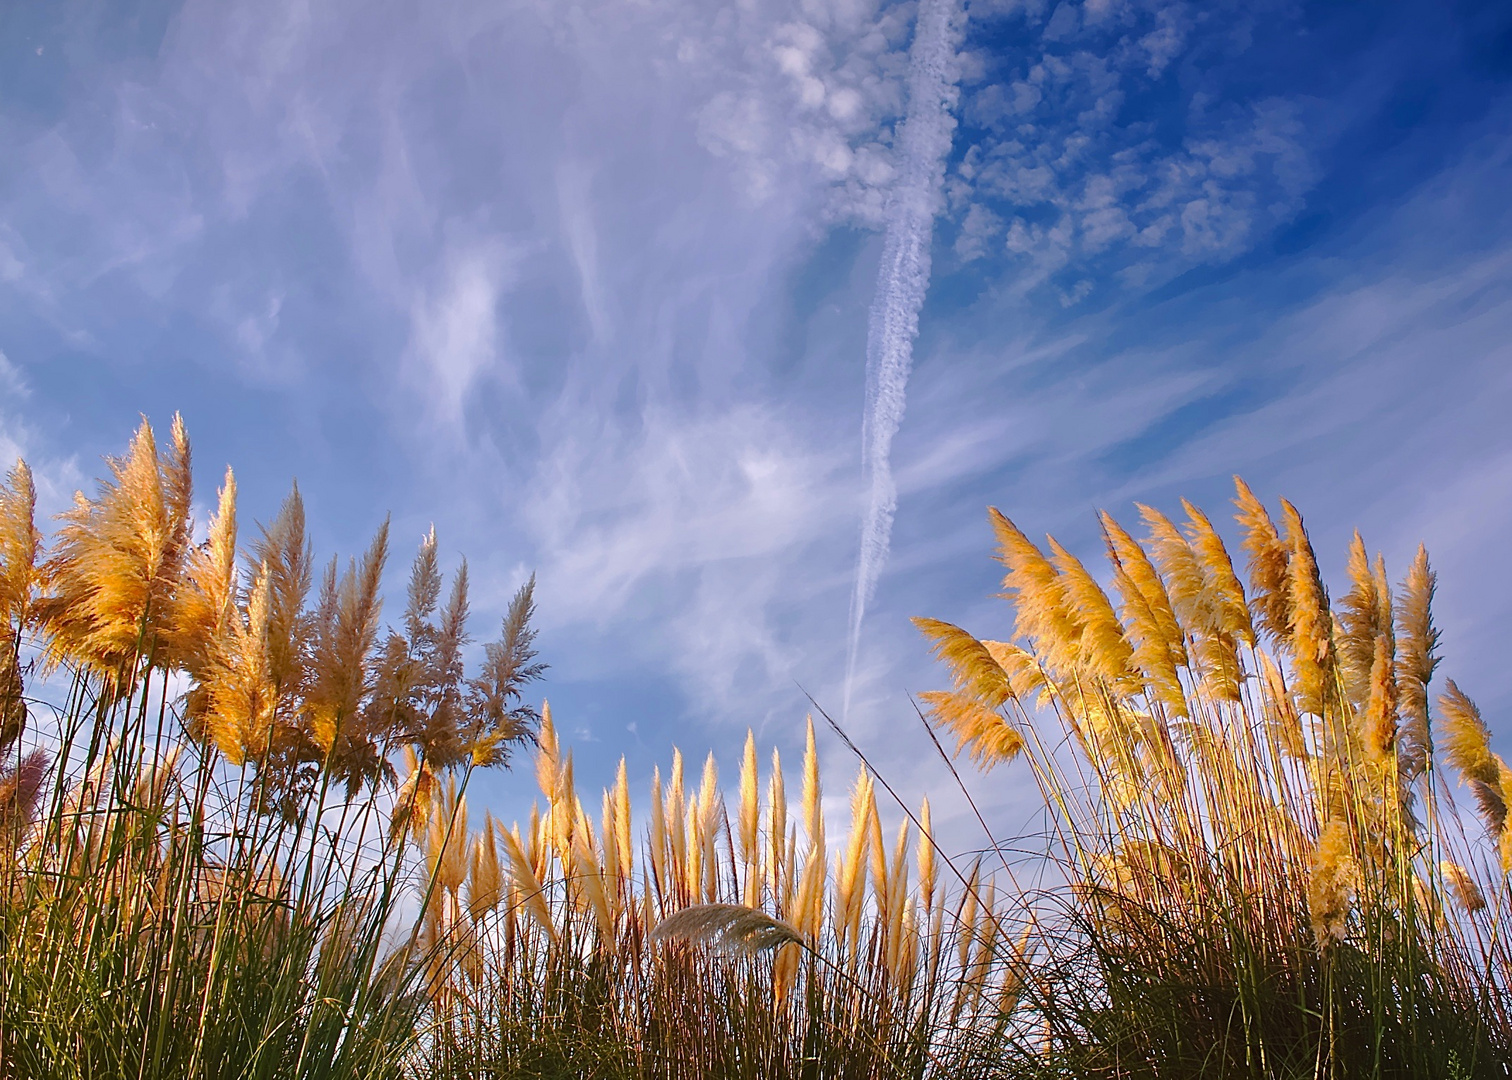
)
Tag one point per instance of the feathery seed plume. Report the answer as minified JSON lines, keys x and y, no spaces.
{"x":926,"y":858}
{"x":1417,"y":658}
{"x":1232,"y":609}
{"x":1311,"y":628}
{"x":1103,"y":648}
{"x":1159,"y":644}
{"x":1042,"y":614}
{"x":20,"y":546}
{"x":528,"y":885}
{"x":750,"y":822}
{"x":1202,"y":605}
{"x":1381,"y":705}
{"x":1269,"y":557}
{"x":113,"y":571}
{"x":1467,"y":746}
{"x":1330,"y":887}
{"x":485,"y":880}
{"x":1463,"y":887}
{"x":730,"y":926}
{"x":972,"y":667}
{"x":813,"y":818}
{"x":1358,"y":624}
{"x":779,"y":866}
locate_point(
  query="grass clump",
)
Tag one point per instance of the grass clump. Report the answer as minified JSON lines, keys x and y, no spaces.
{"x":197,"y":876}
{"x":1266,"y":872}
{"x":723,"y":943}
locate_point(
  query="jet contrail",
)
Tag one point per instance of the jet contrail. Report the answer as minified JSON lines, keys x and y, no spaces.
{"x":923,"y":143}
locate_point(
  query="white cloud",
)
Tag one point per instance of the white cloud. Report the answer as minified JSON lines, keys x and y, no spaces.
{"x":1092,"y":186}
{"x":55,"y":478}
{"x":455,"y":329}
{"x":693,"y":542}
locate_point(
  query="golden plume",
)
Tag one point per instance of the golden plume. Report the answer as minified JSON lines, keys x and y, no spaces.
{"x":779,"y":865}
{"x":1331,"y":883}
{"x":982,"y":732}
{"x":926,"y":858}
{"x":346,"y":633}
{"x":850,"y":872}
{"x":1041,"y":612}
{"x":446,"y":852}
{"x":1200,"y":605}
{"x":241,"y":701}
{"x":205,"y":606}
{"x":982,"y":686}
{"x":1380,"y":731}
{"x":1463,"y":887}
{"x":286,"y":557}
{"x":1157,"y":637}
{"x":548,"y":762}
{"x":116,"y":563}
{"x":20,"y":544}
{"x":711,"y":816}
{"x":1228,"y":600}
{"x":657,"y":839}
{"x":528,"y":886}
{"x":972,"y":666}
{"x":1269,"y":556}
{"x":1417,"y":659}
{"x":750,"y":823}
{"x":892,"y":905}
{"x":677,"y":825}
{"x":1282,"y":720}
{"x":414,"y":799}
{"x":1024,"y":673}
{"x":813,"y":816}
{"x":1467,"y":746}
{"x":1311,"y":636}
{"x":485,"y":879}
{"x":621,"y":804}
{"x":1359,"y":624}
{"x":1103,"y":650}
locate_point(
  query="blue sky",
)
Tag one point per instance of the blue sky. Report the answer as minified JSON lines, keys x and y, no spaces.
{"x":586,"y":284}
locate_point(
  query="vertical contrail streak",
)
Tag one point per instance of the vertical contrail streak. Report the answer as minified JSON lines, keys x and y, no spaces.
{"x":923,"y":144}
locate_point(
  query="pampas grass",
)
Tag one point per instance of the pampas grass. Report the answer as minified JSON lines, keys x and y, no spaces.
{"x":194,"y":784}
{"x":1266,"y":872}
{"x":236,"y":840}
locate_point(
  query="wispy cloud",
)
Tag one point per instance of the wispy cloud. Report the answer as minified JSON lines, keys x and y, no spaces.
{"x":55,"y":477}
{"x":455,"y":334}
{"x":702,"y":527}
{"x":902,"y":280}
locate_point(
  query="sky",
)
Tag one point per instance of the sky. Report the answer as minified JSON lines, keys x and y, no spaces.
{"x":605,"y":291}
